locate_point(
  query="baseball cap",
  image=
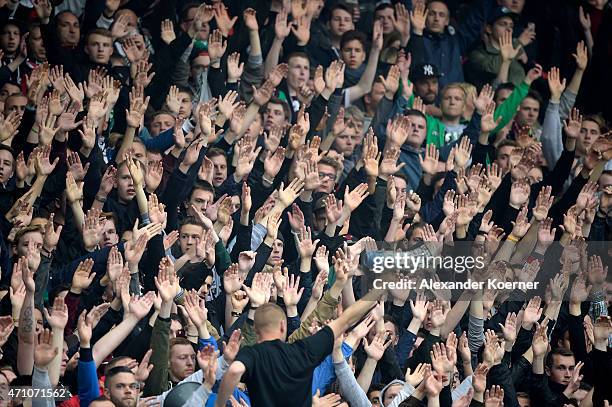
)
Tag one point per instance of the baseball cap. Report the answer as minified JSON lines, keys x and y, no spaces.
{"x":502,"y":12}
{"x":424,"y":71}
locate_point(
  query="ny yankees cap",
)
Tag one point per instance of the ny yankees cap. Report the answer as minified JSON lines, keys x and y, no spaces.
{"x":424,"y":71}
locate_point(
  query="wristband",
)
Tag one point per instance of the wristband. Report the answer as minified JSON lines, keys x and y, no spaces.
{"x":513,"y":239}
{"x":263,"y":177}
{"x":481,"y":233}
{"x":101,"y":199}
{"x":236,"y":314}
{"x":179,"y":298}
{"x":144,"y":217}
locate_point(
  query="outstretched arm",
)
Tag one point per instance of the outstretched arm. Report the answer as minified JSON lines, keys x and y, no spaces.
{"x":355,"y":312}
{"x":229,"y":382}
{"x":365,"y":83}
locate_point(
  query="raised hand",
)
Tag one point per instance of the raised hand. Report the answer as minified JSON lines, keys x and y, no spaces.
{"x":509,"y":328}
{"x":429,"y":163}
{"x":223,"y":20}
{"x":305,"y":245}
{"x":506,"y":48}
{"x":232,"y":279}
{"x":419,"y":307}
{"x":415,"y":378}
{"x":573,"y":124}
{"x":144,"y":368}
{"x":167,"y":31}
{"x":139,"y":307}
{"x":9,"y":125}
{"x":391,"y":82}
{"x":494,"y":397}
{"x":539,"y":343}
{"x":376,"y":349}
{"x":286,"y":196}
{"x":259,"y":292}
{"x":281,"y":27}
{"x":521,"y":226}
{"x":439,"y":359}
{"x":45,"y":351}
{"x":418,"y":16}
{"x":83,"y":276}
{"x":463,"y":152}
{"x":519,"y":193}
{"x":196,"y":309}
{"x":230,"y":350}
{"x":354,"y":198}
{"x":58,"y":317}
{"x":166,"y":280}
{"x":292,"y":293}
{"x":555,"y":84}
{"x":334,"y":76}
{"x":262,"y":95}
{"x":581,"y":56}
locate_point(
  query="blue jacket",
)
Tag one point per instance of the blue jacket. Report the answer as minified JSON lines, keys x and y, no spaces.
{"x":324,"y":374}
{"x":89,"y":389}
{"x":446,"y":50}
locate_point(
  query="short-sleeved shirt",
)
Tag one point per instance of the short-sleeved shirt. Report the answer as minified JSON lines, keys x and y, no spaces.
{"x":280,"y":374}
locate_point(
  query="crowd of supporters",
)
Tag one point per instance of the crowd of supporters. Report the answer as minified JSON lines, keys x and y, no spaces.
{"x":194,"y":194}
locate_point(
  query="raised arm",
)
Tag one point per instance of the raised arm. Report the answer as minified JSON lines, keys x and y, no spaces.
{"x":26,"y":331}
{"x":367,"y":78}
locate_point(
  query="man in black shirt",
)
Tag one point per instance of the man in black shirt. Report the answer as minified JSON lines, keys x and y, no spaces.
{"x":280,"y":374}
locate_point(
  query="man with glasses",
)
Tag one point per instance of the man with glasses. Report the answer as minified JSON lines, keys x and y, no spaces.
{"x":328,"y":173}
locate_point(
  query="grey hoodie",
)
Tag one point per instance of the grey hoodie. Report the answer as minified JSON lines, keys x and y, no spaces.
{"x":404,"y":394}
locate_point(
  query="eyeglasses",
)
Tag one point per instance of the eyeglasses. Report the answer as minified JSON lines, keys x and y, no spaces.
{"x":324,"y":175}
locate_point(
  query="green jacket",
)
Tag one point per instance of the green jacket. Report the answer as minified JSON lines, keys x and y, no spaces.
{"x":436,"y":130}
{"x":222,"y":258}
{"x":324,"y":310}
{"x":157,"y":382}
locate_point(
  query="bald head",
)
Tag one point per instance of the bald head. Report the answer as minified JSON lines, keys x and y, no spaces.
{"x":270,"y":322}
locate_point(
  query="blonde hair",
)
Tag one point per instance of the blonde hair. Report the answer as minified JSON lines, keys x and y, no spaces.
{"x":455,"y":85}
{"x":468,"y":88}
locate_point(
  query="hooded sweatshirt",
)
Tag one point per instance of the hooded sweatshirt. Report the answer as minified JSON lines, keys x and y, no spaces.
{"x":404,"y":394}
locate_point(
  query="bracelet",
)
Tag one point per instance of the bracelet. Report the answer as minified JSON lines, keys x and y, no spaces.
{"x":101,"y":199}
{"x":481,"y":233}
{"x":512,"y":239}
{"x":236,"y":314}
{"x":263,"y":177}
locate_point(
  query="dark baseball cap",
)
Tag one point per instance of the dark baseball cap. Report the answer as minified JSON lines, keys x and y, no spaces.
{"x":502,"y":12}
{"x":424,"y":71}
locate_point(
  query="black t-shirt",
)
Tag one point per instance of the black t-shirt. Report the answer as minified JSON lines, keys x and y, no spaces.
{"x":280,"y":374}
